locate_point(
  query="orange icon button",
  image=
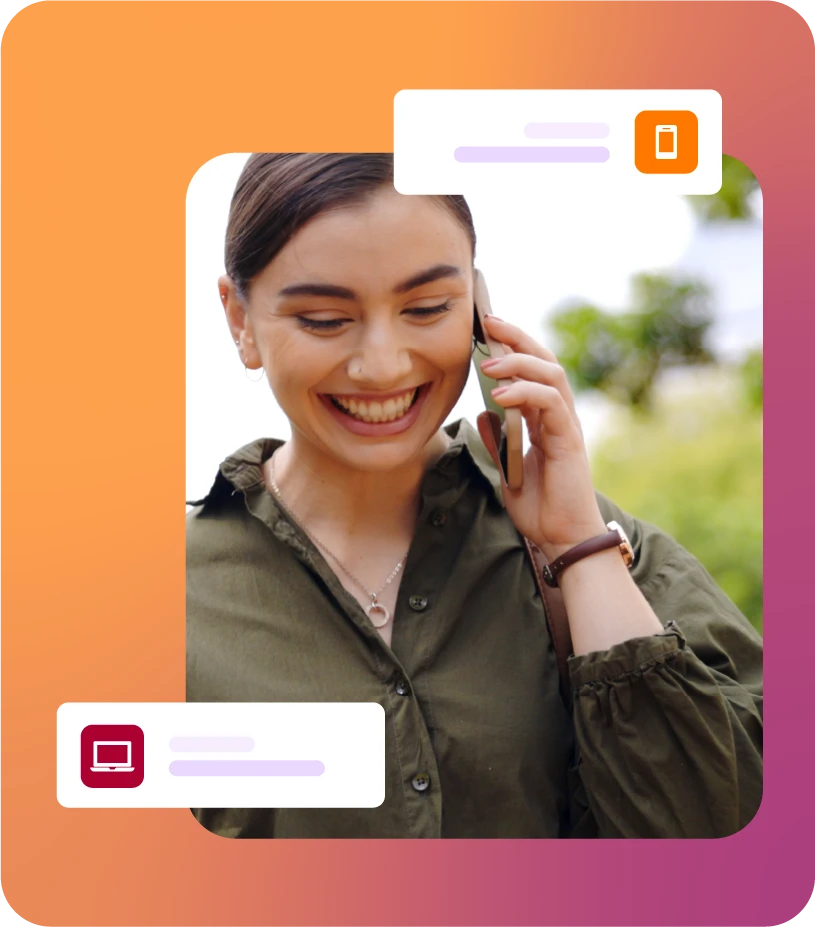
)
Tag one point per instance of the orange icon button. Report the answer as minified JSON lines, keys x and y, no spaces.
{"x":666,"y":141}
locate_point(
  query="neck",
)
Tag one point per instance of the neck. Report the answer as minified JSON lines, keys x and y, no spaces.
{"x":324,"y":493}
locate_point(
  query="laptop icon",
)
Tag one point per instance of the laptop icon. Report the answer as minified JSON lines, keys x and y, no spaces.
{"x":112,"y":756}
{"x":112,"y":748}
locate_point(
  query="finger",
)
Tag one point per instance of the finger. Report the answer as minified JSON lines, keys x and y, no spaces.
{"x":528,"y":367}
{"x":557,"y":426}
{"x":517,"y":339}
{"x":534,"y":426}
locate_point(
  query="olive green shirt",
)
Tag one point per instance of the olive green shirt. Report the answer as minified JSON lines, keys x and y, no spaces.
{"x":664,"y":734}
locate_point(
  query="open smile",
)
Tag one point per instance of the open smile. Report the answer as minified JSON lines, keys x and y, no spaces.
{"x":373,"y":414}
{"x":376,"y":410}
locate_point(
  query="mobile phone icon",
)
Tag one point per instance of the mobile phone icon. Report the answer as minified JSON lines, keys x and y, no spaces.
{"x":666,"y":142}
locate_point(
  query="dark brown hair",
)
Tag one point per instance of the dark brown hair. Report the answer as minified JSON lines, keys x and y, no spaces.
{"x":276,"y":194}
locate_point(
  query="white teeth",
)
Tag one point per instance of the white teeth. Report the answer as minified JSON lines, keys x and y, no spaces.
{"x":388,"y":411}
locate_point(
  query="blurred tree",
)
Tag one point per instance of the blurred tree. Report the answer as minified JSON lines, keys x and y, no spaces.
{"x":621,"y":354}
{"x":733,"y":200}
{"x":686,"y":456}
{"x":695,"y":469}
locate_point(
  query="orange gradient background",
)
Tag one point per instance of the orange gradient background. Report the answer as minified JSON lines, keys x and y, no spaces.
{"x":108,"y":110}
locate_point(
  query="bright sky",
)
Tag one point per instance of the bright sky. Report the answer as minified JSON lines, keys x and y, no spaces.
{"x":535,"y":254}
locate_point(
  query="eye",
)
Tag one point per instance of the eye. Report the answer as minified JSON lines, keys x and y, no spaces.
{"x":320,"y":324}
{"x":430,"y":310}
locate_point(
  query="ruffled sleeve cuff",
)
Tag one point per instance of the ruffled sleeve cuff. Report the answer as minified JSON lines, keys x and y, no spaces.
{"x":631,"y":658}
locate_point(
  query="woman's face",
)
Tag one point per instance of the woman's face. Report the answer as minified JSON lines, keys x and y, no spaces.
{"x":363,"y":323}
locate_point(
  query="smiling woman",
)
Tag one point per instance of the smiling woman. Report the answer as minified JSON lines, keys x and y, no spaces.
{"x":378,"y":555}
{"x":369,"y":301}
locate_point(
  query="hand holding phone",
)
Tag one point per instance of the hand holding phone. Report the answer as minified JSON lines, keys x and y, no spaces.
{"x":553,"y":502}
{"x":509,"y":436}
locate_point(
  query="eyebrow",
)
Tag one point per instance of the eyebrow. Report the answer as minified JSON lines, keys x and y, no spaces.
{"x":431,"y":274}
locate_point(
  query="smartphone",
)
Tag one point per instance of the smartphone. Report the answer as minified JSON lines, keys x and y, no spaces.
{"x":510,"y":446}
{"x":666,"y":142}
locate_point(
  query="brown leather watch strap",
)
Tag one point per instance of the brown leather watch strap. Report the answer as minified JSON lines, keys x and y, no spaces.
{"x":602,"y":542}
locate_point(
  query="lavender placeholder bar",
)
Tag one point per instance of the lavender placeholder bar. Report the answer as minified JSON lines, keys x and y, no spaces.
{"x":247,"y":768}
{"x":211,"y":744}
{"x":566,"y":130}
{"x":547,"y":154}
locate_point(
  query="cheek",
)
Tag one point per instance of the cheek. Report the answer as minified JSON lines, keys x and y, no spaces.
{"x":449,"y":340}
{"x":299,"y":364}
{"x":456,"y":347}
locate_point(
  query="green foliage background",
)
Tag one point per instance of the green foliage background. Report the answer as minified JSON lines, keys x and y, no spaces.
{"x":694,"y":468}
{"x":686,"y":457}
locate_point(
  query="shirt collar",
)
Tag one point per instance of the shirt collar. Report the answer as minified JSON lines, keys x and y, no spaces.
{"x":242,"y":471}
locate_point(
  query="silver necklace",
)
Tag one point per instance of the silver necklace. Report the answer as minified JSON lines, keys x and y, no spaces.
{"x":377,"y":612}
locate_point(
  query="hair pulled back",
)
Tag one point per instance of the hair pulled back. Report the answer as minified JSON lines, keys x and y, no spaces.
{"x":276,"y":194}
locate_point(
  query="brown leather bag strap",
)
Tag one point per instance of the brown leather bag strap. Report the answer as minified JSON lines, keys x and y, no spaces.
{"x":489,"y":428}
{"x":558,"y":621}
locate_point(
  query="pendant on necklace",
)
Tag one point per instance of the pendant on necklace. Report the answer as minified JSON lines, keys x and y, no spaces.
{"x":378,"y":614}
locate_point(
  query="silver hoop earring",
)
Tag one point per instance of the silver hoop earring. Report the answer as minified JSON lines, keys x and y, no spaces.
{"x":251,"y":379}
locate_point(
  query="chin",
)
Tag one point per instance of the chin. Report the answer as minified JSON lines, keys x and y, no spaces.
{"x":380,"y":458}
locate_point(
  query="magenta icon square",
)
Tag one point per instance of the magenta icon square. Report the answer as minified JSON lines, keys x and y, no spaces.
{"x":112,"y":756}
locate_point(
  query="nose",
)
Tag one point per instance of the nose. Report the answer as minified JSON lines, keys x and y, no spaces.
{"x":381,"y":360}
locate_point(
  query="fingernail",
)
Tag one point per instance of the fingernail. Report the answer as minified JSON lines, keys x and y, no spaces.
{"x":496,"y":317}
{"x":490,"y":362}
{"x":499,"y":389}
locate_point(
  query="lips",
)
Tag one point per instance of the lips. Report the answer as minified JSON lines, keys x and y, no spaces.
{"x":356,"y":424}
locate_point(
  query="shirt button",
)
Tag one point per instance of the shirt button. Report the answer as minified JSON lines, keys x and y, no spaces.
{"x":438,"y":518}
{"x":418,"y":603}
{"x":421,"y":782}
{"x":402,"y":688}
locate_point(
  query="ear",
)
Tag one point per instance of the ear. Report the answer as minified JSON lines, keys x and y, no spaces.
{"x":489,"y":427}
{"x":239,"y":322}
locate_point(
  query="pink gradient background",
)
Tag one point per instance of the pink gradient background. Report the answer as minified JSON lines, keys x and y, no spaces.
{"x":108,"y":110}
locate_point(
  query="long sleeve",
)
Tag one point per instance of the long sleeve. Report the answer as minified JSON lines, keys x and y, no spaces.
{"x":669,"y":728}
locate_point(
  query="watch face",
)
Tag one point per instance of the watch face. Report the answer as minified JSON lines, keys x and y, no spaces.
{"x":625,"y":548}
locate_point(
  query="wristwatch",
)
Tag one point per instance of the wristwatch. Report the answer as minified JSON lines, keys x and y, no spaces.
{"x":615,"y":537}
